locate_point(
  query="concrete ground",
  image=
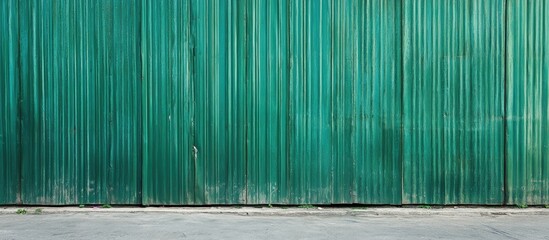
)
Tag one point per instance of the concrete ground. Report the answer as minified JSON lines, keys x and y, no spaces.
{"x":274,"y":223}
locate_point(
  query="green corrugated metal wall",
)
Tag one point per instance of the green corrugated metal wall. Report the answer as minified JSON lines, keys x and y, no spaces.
{"x":252,"y":102}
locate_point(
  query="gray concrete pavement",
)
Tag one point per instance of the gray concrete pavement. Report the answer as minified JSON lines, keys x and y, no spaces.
{"x":90,"y":224}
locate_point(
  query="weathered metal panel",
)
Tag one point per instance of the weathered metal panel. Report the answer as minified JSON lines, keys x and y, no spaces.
{"x":222,"y":51}
{"x":453,"y":102}
{"x":376,"y":100}
{"x":344,"y":107}
{"x":258,"y":102}
{"x":9,"y":96}
{"x":267,"y":87}
{"x":527,"y":102}
{"x":169,"y":165}
{"x":310,"y":166}
{"x":80,"y":96}
{"x":195,"y":73}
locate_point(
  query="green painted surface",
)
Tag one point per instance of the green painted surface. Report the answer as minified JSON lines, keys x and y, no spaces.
{"x":344,"y":119}
{"x":9,"y":94}
{"x":528,"y":101}
{"x":80,"y":91}
{"x":267,"y":124}
{"x":453,"y":102}
{"x":376,"y":97}
{"x":268,"y":80}
{"x":188,"y":102}
{"x":167,"y":100}
{"x":222,"y":51}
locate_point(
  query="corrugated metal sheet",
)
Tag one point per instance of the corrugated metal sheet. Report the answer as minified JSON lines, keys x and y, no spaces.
{"x":344,"y":88}
{"x":261,"y":101}
{"x":259,"y":114}
{"x":376,"y":100}
{"x":453,"y":102}
{"x":175,"y":102}
{"x":222,"y":50}
{"x":9,"y":94}
{"x":80,"y":102}
{"x":195,"y":88}
{"x":168,"y":104}
{"x":267,"y":87}
{"x":528,"y":101}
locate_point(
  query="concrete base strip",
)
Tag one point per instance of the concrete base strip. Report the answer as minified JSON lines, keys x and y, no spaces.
{"x":290,"y":211}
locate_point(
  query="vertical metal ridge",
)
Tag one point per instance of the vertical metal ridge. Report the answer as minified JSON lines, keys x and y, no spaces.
{"x":288,"y":68}
{"x":19,"y":108}
{"x":402,"y":84}
{"x":505,"y":106}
